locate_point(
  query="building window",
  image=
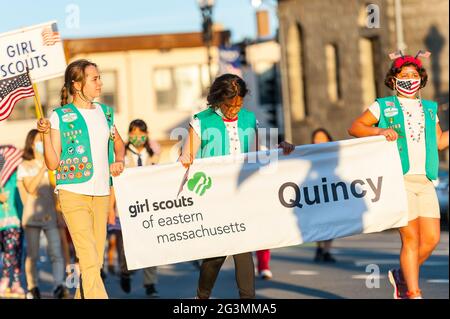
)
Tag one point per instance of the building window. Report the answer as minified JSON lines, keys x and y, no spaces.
{"x":109,"y":89}
{"x":332,"y":64}
{"x":294,"y":52}
{"x":180,"y":87}
{"x":368,"y":78}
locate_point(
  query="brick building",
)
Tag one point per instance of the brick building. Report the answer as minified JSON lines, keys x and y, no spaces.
{"x":334,"y":57}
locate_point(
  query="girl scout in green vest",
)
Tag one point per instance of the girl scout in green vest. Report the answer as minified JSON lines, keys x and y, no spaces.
{"x":11,"y":234}
{"x":82,"y":144}
{"x":413,"y":123}
{"x":222,"y":129}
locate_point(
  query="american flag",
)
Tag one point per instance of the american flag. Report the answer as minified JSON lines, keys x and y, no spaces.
{"x":50,"y":35}
{"x":10,"y":159}
{"x":12,"y":90}
{"x":408,"y":86}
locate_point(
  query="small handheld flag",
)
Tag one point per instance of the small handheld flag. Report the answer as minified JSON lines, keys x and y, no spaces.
{"x":12,"y":90}
{"x":423,"y":54}
{"x":395,"y":55}
{"x":50,"y":35}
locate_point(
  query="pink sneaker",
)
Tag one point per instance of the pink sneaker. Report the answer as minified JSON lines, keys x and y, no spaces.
{"x":398,"y":283}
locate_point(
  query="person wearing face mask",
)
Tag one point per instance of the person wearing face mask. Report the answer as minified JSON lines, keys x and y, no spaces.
{"x":226,"y":128}
{"x":411,"y":122}
{"x":39,"y":215}
{"x":140,"y":151}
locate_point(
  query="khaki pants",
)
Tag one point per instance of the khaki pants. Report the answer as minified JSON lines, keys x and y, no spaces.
{"x":86,"y":218}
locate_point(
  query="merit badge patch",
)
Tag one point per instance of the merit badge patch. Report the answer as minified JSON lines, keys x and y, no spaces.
{"x":69,"y":117}
{"x":390,"y":111}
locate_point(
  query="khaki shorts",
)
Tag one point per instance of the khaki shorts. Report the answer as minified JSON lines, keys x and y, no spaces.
{"x":422,"y":198}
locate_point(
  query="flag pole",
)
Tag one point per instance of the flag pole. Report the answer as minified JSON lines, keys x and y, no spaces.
{"x":37,"y":100}
{"x":40,"y":115}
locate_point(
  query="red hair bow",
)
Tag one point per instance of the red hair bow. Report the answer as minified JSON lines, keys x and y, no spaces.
{"x":399,"y":62}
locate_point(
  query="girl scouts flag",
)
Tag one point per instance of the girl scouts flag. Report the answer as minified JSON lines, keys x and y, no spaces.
{"x":229,"y":205}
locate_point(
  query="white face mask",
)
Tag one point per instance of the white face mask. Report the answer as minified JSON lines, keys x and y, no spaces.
{"x":408,"y":87}
{"x":39,"y":147}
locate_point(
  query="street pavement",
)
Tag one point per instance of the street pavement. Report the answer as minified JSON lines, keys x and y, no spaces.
{"x":359,"y":273}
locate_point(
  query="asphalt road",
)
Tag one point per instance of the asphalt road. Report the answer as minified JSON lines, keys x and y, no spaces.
{"x":359,"y":273}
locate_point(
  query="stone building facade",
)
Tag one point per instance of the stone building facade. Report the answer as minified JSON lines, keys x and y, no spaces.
{"x":334,"y":57}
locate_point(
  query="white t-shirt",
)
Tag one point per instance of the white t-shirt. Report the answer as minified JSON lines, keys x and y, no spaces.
{"x":416,"y":143}
{"x":99,"y":135}
{"x":232,"y":129}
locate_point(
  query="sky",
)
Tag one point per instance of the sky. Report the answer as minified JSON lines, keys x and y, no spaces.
{"x":99,"y":18}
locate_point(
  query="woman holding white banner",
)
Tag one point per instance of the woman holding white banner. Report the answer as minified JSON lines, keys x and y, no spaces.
{"x":413,"y":123}
{"x":83,"y":145}
{"x":231,"y":130}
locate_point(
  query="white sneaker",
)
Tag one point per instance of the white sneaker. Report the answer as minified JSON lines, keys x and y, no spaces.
{"x":266,"y":274}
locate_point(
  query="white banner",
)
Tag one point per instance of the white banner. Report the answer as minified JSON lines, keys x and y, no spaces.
{"x":226,"y":207}
{"x":38,"y":47}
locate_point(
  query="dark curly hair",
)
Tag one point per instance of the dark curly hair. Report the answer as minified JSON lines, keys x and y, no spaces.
{"x":393,"y":71}
{"x":226,"y":87}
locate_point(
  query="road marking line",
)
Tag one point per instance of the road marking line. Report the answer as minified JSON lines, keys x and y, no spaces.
{"x":360,"y":263}
{"x":368,"y":275}
{"x":304,"y":272}
{"x":438,"y":281}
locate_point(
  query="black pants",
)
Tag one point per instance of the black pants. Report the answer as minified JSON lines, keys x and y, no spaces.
{"x":244,"y":271}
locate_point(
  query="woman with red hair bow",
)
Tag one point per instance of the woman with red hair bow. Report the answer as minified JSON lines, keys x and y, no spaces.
{"x":413,"y":123}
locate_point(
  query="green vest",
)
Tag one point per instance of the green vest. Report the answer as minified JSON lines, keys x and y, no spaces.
{"x":11,"y":211}
{"x":75,"y":165}
{"x":391,"y":116}
{"x":215,"y":140}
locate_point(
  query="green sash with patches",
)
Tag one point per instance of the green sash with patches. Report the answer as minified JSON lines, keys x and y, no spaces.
{"x":391,"y":116}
